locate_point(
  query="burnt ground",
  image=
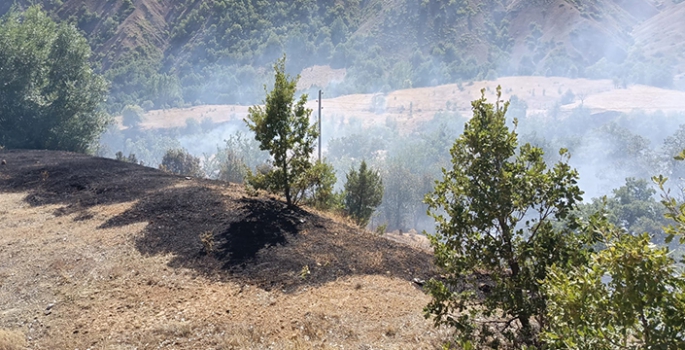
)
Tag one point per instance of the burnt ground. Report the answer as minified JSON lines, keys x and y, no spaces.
{"x":256,"y":240}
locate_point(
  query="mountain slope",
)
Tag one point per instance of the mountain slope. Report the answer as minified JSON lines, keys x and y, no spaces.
{"x":219,"y":51}
{"x":104,"y":254}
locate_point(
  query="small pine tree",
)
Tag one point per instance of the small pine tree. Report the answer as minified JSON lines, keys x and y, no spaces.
{"x":363,"y":193}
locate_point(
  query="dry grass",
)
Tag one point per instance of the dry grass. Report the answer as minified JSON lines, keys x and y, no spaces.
{"x":12,"y":340}
{"x":540,"y":93}
{"x":69,"y":280}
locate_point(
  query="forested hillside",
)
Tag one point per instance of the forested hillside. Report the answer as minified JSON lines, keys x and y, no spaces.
{"x":167,"y":53}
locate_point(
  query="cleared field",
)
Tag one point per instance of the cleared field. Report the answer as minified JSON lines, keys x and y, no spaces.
{"x":411,"y":106}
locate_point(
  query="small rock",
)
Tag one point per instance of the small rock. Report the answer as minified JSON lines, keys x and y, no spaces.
{"x":419,"y":281}
{"x":4,"y":162}
{"x":50,"y":306}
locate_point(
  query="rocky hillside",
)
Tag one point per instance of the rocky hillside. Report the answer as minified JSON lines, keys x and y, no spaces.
{"x":171,"y":53}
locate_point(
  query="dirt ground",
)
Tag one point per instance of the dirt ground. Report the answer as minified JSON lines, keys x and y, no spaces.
{"x":99,"y":254}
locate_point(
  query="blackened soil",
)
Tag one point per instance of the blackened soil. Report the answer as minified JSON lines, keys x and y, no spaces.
{"x":212,"y":227}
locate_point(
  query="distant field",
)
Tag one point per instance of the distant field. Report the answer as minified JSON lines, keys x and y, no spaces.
{"x":412,"y":106}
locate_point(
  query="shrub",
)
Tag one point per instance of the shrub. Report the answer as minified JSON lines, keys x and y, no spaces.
{"x":180,"y":162}
{"x":130,"y":159}
{"x":232,"y":168}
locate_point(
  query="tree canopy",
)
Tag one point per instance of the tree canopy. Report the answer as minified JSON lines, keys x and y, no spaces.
{"x":495,"y":212}
{"x":50,"y":98}
{"x":282,"y":127}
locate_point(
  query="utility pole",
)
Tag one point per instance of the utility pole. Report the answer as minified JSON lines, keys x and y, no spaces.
{"x":320,"y":93}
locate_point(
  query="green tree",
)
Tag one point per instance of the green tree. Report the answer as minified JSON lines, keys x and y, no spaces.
{"x":631,"y":295}
{"x":282,"y":128}
{"x":363,"y":193}
{"x":132,"y":116}
{"x":497,"y":211}
{"x":633,"y":208}
{"x":180,"y":162}
{"x":50,"y":98}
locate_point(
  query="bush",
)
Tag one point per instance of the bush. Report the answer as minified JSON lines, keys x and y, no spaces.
{"x":232,"y":168}
{"x":180,"y":162}
{"x":130,"y":159}
{"x":315,"y":188}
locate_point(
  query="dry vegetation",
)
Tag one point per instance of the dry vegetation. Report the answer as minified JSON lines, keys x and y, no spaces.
{"x":107,"y":255}
{"x":410,"y":107}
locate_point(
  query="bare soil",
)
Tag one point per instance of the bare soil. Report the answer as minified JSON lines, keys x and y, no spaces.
{"x":101,"y":254}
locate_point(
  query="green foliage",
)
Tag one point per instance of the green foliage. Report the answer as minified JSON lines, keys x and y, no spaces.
{"x":232,"y":168}
{"x":315,"y":187}
{"x":631,"y":295}
{"x":132,"y":116}
{"x":180,"y":162}
{"x":363,"y":193}
{"x":282,"y":128}
{"x":495,"y":211}
{"x":632,"y":207}
{"x":50,"y":97}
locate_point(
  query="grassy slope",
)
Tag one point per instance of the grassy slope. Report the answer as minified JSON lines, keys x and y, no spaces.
{"x":103,"y":254}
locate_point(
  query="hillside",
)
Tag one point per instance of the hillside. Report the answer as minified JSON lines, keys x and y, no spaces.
{"x":104,"y":254}
{"x":412,"y":107}
{"x":173,"y":54}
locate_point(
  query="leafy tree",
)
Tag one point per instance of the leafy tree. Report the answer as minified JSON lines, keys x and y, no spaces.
{"x":180,"y":162}
{"x":631,"y":295}
{"x":633,"y":208}
{"x":399,"y":194}
{"x":132,"y":116}
{"x":672,"y":146}
{"x":50,"y":97}
{"x":363,"y":193}
{"x":282,"y":128}
{"x":495,"y":211}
